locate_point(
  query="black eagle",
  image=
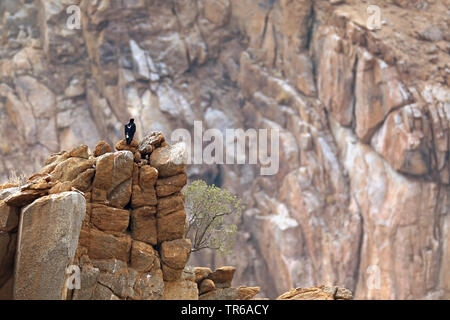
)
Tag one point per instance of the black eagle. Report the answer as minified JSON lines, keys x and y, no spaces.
{"x":130,"y":130}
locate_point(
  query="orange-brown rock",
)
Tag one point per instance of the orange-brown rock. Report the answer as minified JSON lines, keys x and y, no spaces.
{"x":47,"y":242}
{"x":143,"y":225}
{"x":206,"y":285}
{"x":317,"y":293}
{"x":170,"y":204}
{"x":144,"y":193}
{"x":167,"y":186}
{"x":9,"y":217}
{"x":201,"y":273}
{"x":22,"y":198}
{"x":106,"y":246}
{"x":101,"y":148}
{"x":240,"y":293}
{"x":222,"y":276}
{"x":175,"y":253}
{"x":71,"y":168}
{"x":112,"y":181}
{"x":150,"y":142}
{"x":80,"y":152}
{"x":143,"y":257}
{"x":122,"y":145}
{"x":169,"y":160}
{"x":171,"y":226}
{"x":109,"y":219}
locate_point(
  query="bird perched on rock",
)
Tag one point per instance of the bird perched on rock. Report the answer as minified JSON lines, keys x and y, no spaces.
{"x":130,"y":130}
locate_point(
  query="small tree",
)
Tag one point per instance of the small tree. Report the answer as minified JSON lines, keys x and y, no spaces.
{"x":207,"y":207}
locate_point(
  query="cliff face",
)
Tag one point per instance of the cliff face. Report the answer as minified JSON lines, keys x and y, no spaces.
{"x":363,"y":186}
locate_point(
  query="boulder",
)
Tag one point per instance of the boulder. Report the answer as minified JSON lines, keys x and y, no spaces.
{"x":102,"y":292}
{"x":180,"y":290}
{"x":101,"y":148}
{"x":167,"y":186}
{"x":206,"y":285}
{"x":88,"y":281}
{"x":122,"y":145}
{"x":222,"y":276}
{"x":150,"y":286}
{"x":143,"y":225}
{"x":143,"y":257}
{"x":201,"y":273}
{"x":175,"y":254}
{"x":80,"y":152}
{"x":109,"y":219}
{"x":23,"y":198}
{"x":48,"y":239}
{"x":171,"y":226}
{"x":151,"y":142}
{"x":106,"y":246}
{"x":71,"y":168}
{"x":170,"y":204}
{"x":9,"y":217}
{"x":112,"y":181}
{"x":240,"y":293}
{"x":8,"y":243}
{"x":169,"y":160}
{"x":144,"y":193}
{"x":317,"y":293}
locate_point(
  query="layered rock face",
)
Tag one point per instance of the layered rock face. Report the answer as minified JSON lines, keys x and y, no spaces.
{"x":117,"y":219}
{"x":362,"y":197}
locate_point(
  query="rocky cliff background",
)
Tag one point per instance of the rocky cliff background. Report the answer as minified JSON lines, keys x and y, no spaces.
{"x":363,"y":186}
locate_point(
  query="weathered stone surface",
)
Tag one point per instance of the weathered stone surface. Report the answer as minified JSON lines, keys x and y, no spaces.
{"x":317,"y":293}
{"x":201,"y":273}
{"x":171,"y":226}
{"x":169,"y":160}
{"x":88,"y":281}
{"x":206,"y":285}
{"x":102,"y":292}
{"x":180,"y":290}
{"x":101,"y":148}
{"x":8,"y":242}
{"x":150,"y":142}
{"x":112,"y":181}
{"x":110,"y":219}
{"x":143,"y":257}
{"x":9,"y":217}
{"x":71,"y":168}
{"x":144,"y":193}
{"x":222,"y":276}
{"x":80,"y":152}
{"x":122,"y":145}
{"x":175,"y":254}
{"x":106,"y":246}
{"x":167,"y":186}
{"x":22,"y":198}
{"x":240,"y":293}
{"x":48,"y":238}
{"x":150,"y":286}
{"x":170,"y":204}
{"x":143,"y":225}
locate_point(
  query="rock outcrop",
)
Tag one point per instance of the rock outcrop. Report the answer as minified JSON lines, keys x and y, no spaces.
{"x":363,"y":114}
{"x":99,"y":215}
